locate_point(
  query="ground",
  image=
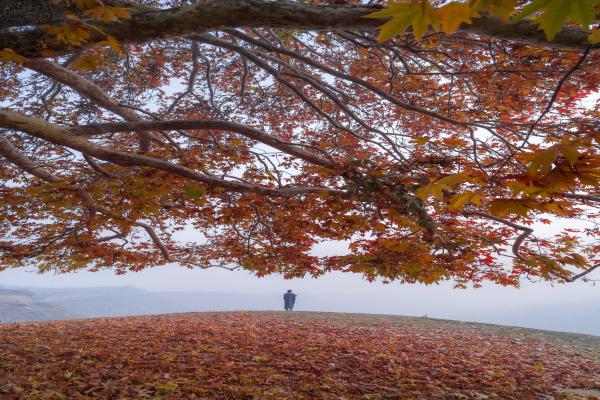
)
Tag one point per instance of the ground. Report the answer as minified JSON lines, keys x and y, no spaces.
{"x":276,"y":355}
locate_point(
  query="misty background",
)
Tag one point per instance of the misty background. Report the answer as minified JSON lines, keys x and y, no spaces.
{"x":571,"y":307}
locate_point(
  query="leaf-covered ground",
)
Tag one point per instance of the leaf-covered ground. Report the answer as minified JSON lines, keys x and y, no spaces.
{"x":277,"y":356}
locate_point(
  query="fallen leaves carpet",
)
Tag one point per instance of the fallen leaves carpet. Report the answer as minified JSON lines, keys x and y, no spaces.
{"x":253,"y":355}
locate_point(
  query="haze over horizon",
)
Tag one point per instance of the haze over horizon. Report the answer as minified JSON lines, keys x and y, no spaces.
{"x":571,"y":307}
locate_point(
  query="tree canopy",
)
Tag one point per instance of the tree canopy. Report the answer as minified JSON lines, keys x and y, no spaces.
{"x":439,"y":140}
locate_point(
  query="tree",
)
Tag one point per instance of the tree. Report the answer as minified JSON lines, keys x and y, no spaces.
{"x":437,"y":152}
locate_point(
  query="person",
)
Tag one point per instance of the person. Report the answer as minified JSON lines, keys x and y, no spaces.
{"x":289,"y":299}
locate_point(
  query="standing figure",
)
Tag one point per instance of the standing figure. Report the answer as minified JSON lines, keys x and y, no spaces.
{"x":289,"y":299}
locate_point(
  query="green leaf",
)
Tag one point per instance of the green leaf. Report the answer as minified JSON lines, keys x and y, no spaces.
{"x":554,"y":17}
{"x":532,"y":8}
{"x":501,"y":8}
{"x":194,"y":191}
{"x":582,"y":12}
{"x":556,"y":13}
{"x":504,"y":207}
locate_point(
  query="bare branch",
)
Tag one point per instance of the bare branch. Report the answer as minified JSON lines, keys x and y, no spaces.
{"x":526,"y":231}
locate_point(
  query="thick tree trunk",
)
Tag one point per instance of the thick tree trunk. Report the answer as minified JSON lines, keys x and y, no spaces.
{"x":20,"y":13}
{"x":224,"y":14}
{"x":15,"y":13}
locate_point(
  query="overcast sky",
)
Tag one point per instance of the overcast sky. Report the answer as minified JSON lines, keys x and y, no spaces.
{"x":176,"y":278}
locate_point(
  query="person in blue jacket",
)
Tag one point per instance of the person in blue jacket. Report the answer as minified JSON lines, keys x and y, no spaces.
{"x":288,"y":300}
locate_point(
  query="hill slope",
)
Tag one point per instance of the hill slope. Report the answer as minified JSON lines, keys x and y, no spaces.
{"x":19,"y":306}
{"x":273,"y":355}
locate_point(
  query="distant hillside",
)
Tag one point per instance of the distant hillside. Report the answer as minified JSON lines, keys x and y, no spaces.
{"x":19,"y":306}
{"x":15,"y":297}
{"x":293,"y":356}
{"x":125,"y":301}
{"x":580,"y":316}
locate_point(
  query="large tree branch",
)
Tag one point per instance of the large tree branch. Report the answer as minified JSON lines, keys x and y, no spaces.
{"x":12,"y":154}
{"x":225,"y":14}
{"x":247,"y":131}
{"x":18,"y":13}
{"x":62,"y":137}
{"x":90,"y":90}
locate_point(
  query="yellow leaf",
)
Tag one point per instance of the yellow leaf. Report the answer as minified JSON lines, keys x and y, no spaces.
{"x":501,"y":8}
{"x":503,"y":207}
{"x":68,"y":33}
{"x":402,"y":15}
{"x":458,"y":201}
{"x":113,"y":44}
{"x":428,"y":16}
{"x":594,"y":36}
{"x":7,"y":54}
{"x":455,"y":179}
{"x":541,"y":161}
{"x":86,"y":63}
{"x":412,"y":268}
{"x":570,"y":152}
{"x":436,"y":188}
{"x":421,"y":140}
{"x":452,"y":15}
{"x":107,"y":14}
{"x":422,"y":193}
{"x":418,"y":14}
{"x":556,"y":207}
{"x":395,"y":245}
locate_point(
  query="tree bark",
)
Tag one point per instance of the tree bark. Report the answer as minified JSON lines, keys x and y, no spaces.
{"x":20,"y":13}
{"x":225,"y":14}
{"x":29,"y":12}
